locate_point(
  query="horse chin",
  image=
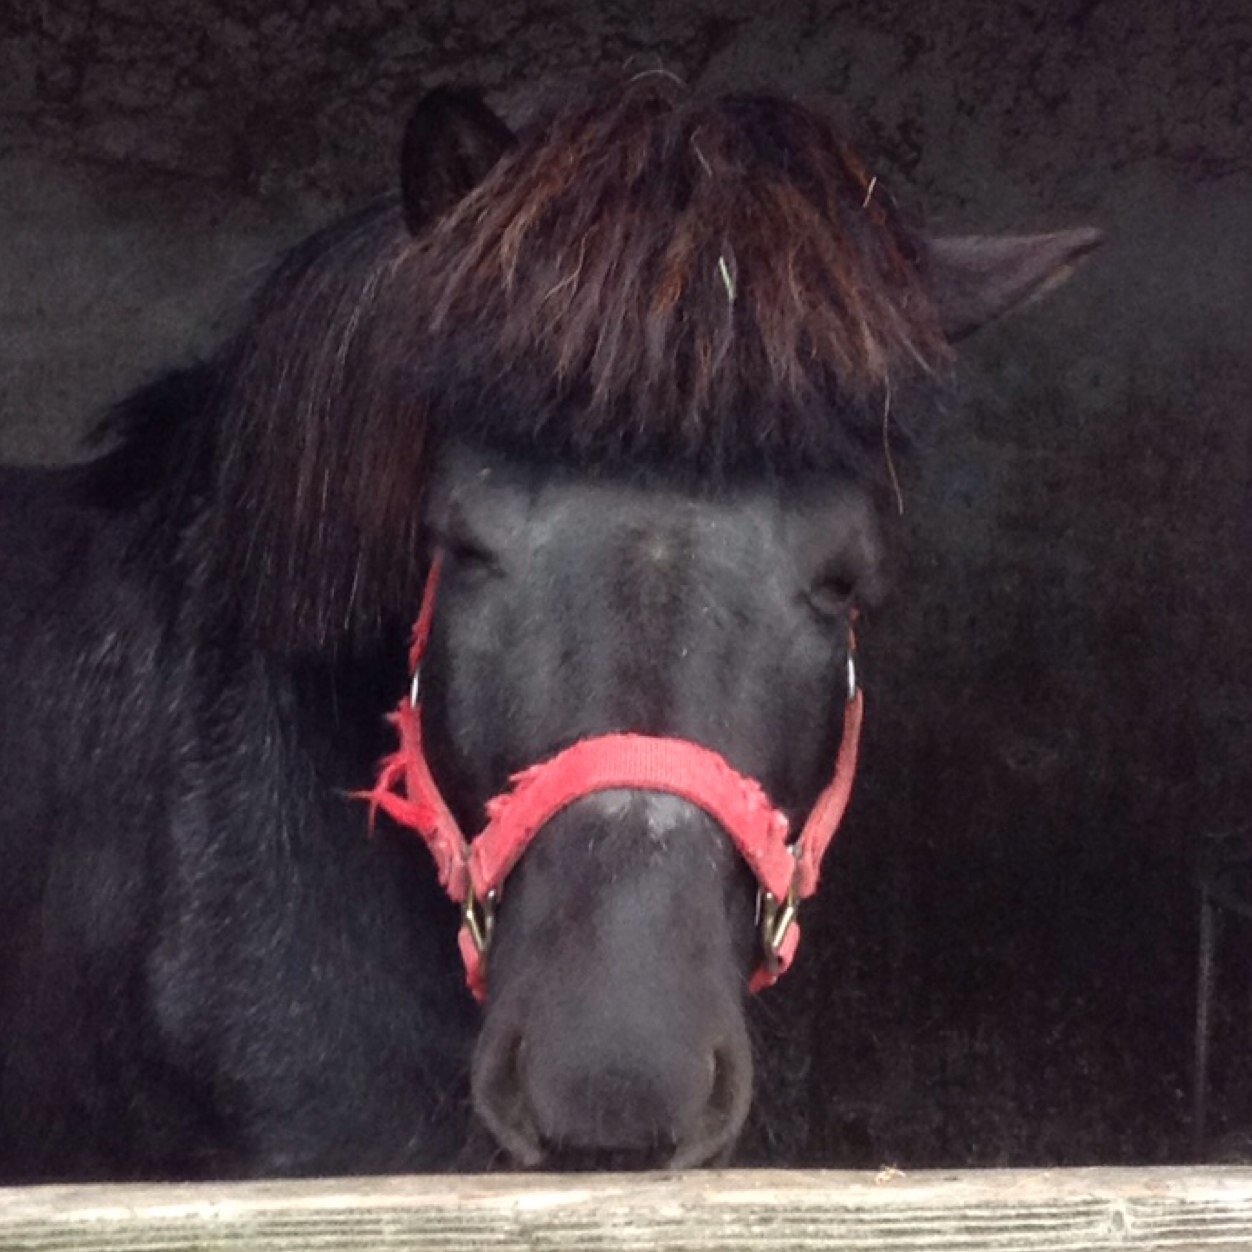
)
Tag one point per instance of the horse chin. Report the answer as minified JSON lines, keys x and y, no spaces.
{"x":667,"y":1117}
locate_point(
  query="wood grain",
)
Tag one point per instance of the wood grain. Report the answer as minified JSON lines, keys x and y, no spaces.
{"x":988,"y":1211}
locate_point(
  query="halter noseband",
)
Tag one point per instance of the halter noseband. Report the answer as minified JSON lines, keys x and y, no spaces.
{"x":472,"y":872}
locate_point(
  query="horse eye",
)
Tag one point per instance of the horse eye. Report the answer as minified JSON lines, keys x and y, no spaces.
{"x":468,"y":553}
{"x":831,"y":594}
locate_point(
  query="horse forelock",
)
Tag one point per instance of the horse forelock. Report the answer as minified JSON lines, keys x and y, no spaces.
{"x":649,"y":274}
{"x":652,"y":270}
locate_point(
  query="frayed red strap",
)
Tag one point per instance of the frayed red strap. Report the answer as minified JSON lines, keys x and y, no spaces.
{"x":827,"y":813}
{"x":407,"y":793}
{"x":404,"y":789}
{"x":642,"y":763}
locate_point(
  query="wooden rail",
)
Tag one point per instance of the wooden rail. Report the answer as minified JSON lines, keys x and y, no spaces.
{"x":1083,"y":1210}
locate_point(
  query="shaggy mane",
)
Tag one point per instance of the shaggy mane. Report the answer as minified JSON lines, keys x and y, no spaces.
{"x":715,"y":284}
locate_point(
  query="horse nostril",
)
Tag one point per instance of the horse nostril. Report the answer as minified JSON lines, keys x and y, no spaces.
{"x":723,"y":1112}
{"x":499,"y":1092}
{"x":722,"y":1093}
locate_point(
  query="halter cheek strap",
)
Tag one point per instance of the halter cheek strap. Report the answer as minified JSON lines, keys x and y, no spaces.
{"x":473,"y":872}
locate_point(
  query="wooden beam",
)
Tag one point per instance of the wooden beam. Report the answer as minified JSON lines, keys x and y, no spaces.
{"x":1079,"y":1210}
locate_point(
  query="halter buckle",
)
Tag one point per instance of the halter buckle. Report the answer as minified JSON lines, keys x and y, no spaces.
{"x":479,"y":918}
{"x":776,"y":919}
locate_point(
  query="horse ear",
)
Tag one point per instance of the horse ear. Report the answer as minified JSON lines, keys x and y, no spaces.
{"x":977,"y":278}
{"x":450,"y":145}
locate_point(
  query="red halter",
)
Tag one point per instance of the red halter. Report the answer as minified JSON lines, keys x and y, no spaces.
{"x":473,"y":872}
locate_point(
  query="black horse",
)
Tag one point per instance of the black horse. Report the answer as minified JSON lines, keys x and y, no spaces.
{"x":622,"y":378}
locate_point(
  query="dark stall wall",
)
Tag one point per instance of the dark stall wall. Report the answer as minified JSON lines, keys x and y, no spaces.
{"x":150,"y":150}
{"x":1060,"y":689}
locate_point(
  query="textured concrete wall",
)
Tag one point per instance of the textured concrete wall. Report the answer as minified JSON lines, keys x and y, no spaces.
{"x":1061,"y":695}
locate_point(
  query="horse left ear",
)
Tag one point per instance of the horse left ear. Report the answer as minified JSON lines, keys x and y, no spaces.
{"x":977,"y":278}
{"x":450,"y":145}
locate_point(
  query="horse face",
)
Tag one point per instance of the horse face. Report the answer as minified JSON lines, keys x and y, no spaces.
{"x":643,"y":272}
{"x":571,"y":607}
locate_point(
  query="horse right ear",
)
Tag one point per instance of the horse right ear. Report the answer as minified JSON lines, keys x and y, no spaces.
{"x":978,"y":278}
{"x":450,"y":145}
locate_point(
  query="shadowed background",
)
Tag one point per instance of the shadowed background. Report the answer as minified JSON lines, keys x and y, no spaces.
{"x":1001,"y":970}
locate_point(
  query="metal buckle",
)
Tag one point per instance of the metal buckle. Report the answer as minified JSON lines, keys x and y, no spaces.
{"x":415,"y":686}
{"x":479,"y":918}
{"x":776,"y":919}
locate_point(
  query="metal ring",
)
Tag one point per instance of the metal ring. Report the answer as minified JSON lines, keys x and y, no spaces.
{"x":415,"y":686}
{"x":479,"y":918}
{"x":775,"y":920}
{"x":851,"y":675}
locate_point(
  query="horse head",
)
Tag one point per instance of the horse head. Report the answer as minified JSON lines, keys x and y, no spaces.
{"x":630,"y":378}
